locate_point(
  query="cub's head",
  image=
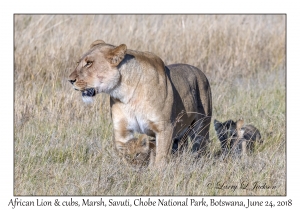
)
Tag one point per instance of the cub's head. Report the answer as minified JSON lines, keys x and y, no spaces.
{"x":97,"y":70}
{"x":225,"y":131}
{"x":137,"y":151}
{"x":230,"y":134}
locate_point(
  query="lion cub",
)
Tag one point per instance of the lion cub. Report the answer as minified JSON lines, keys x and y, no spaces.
{"x":235,"y":137}
{"x":138,"y":152}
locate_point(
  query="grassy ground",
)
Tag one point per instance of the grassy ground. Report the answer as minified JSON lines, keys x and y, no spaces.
{"x":64,"y":147}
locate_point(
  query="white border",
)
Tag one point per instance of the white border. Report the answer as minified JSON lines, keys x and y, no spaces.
{"x":154,"y":6}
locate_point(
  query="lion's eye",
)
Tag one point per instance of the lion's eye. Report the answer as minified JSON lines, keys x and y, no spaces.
{"x":88,"y":63}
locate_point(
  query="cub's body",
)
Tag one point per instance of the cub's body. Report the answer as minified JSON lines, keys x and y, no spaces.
{"x":235,"y":137}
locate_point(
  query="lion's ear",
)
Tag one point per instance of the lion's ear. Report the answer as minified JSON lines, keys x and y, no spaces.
{"x":116,"y":55}
{"x":144,"y":143}
{"x":152,"y":144}
{"x":96,"y":43}
{"x":217,"y":124}
{"x":239,"y":125}
{"x":120,"y":146}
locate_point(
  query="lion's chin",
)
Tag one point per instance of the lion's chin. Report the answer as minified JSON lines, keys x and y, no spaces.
{"x":87,"y":99}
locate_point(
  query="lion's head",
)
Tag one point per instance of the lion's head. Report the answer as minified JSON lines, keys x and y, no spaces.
{"x":97,"y":70}
{"x":137,"y":151}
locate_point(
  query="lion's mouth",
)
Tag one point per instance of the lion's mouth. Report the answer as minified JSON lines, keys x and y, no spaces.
{"x":90,"y":92}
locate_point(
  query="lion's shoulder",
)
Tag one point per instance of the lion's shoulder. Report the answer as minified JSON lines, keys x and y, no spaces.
{"x":147,"y":60}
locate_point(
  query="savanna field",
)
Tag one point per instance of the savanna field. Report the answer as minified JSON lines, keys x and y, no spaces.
{"x":65,"y":147}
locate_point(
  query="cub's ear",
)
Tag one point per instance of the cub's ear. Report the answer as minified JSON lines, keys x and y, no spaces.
{"x":217,"y":124}
{"x":144,"y":143}
{"x":152,"y":144}
{"x":239,"y":125}
{"x":120,"y":146}
{"x":96,"y":43}
{"x":116,"y":55}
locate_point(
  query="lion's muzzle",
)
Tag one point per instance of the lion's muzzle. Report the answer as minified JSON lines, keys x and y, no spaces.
{"x":72,"y":81}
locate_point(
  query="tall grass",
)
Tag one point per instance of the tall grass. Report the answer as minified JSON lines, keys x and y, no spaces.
{"x":64,"y":147}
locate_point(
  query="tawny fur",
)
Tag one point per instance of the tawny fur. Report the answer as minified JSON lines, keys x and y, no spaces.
{"x":146,"y":96}
{"x":138,"y":152}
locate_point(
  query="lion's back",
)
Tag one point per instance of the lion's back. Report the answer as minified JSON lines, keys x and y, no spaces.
{"x":191,"y":84}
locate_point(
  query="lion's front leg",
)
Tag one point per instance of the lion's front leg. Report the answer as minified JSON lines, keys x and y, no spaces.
{"x":121,"y":135}
{"x":163,"y":145}
{"x":121,"y":131}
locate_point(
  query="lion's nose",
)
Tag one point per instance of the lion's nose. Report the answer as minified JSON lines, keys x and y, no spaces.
{"x":72,"y":81}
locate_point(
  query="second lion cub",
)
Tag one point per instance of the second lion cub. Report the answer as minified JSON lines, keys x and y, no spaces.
{"x":235,"y":137}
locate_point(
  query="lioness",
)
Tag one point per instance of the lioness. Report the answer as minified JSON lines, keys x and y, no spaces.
{"x":145,"y":95}
{"x":235,"y":137}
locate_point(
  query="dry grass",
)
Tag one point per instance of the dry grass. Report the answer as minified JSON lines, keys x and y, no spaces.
{"x":63,"y":147}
